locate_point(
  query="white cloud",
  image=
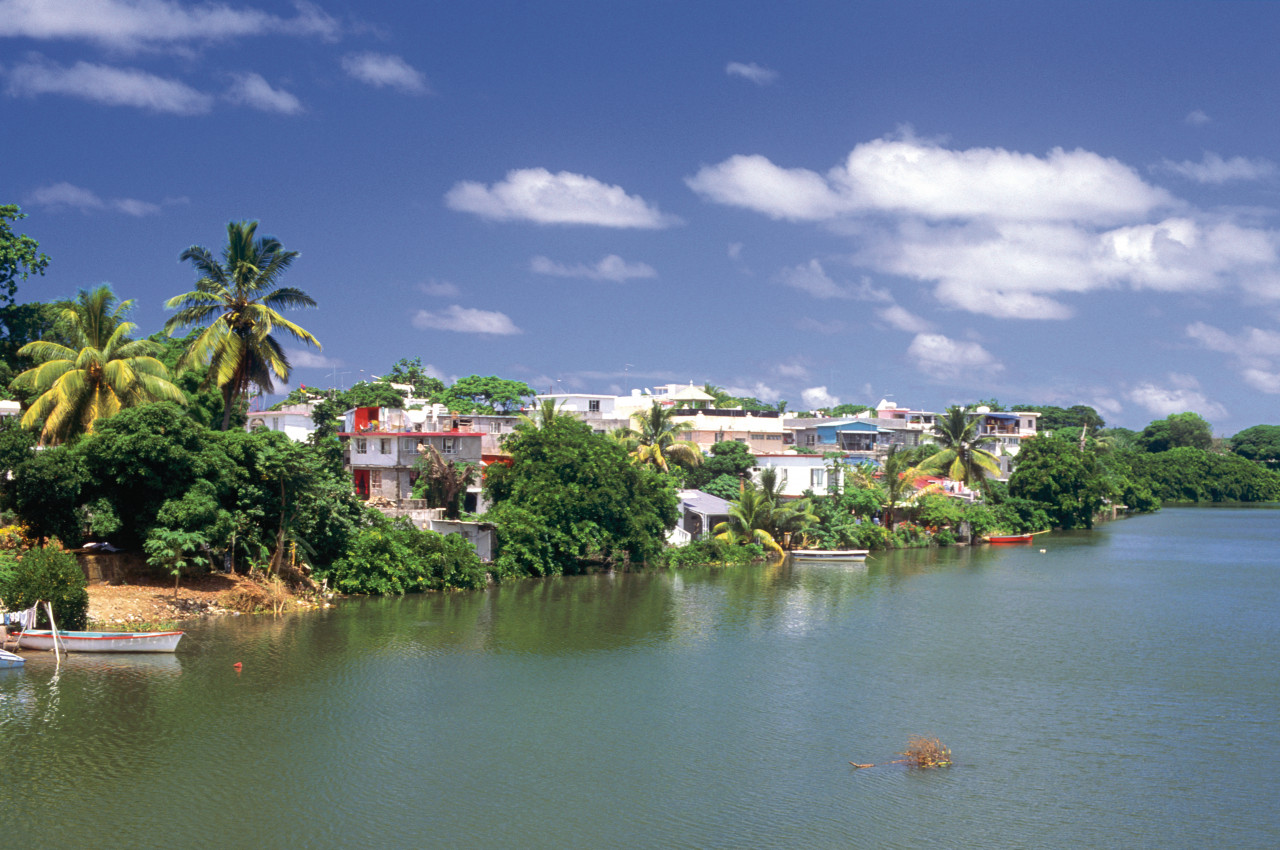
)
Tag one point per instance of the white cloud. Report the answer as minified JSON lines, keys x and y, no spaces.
{"x":793,"y":370}
{"x":1216,"y":170}
{"x":1001,"y":233}
{"x":439,"y":288}
{"x":132,"y":24}
{"x":306,"y":358}
{"x":385,"y":70}
{"x":60,"y":196}
{"x":813,"y":279}
{"x":253,"y":91}
{"x":466,"y":320}
{"x":757,"y":390}
{"x":818,"y":397}
{"x":107,"y":85}
{"x":910,"y":177}
{"x":535,"y":194}
{"x":611,"y":268}
{"x":948,"y":359}
{"x":1256,"y":352}
{"x":1197,"y":118}
{"x":903,"y":319}
{"x":1182,"y":395}
{"x":757,"y":74}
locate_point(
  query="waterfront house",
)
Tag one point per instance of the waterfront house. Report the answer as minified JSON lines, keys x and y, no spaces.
{"x":382,"y":445}
{"x":294,"y":422}
{"x":699,"y":513}
{"x":797,"y":473}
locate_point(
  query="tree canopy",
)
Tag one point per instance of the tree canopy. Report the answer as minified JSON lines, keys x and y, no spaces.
{"x":1181,"y":430}
{"x":1069,"y":482}
{"x":476,"y":394}
{"x":411,"y":372}
{"x":20,"y":255}
{"x":1056,"y":418}
{"x":1260,"y":444}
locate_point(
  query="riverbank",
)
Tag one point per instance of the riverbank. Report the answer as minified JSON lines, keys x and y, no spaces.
{"x":145,"y":600}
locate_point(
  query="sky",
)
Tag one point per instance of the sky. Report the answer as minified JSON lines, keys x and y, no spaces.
{"x":823,"y":202}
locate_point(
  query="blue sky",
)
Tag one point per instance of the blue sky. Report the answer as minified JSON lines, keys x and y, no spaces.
{"x":1052,"y":203}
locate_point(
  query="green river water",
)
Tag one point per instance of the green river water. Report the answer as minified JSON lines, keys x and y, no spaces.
{"x":1114,"y":688}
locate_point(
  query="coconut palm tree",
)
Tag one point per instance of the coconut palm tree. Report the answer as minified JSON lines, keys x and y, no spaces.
{"x":239,"y":297}
{"x":658,"y":439}
{"x":750,"y":518}
{"x":962,"y":456}
{"x":899,"y":482}
{"x":98,"y":374}
{"x":542,"y":416}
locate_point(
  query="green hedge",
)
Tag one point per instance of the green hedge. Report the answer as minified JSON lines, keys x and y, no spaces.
{"x":47,"y":574}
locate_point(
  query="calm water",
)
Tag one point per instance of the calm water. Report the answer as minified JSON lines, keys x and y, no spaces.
{"x":1119,"y":689}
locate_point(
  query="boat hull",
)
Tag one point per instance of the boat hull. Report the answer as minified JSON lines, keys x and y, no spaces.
{"x":101,"y":641}
{"x":8,"y":659}
{"x":831,"y":555}
{"x":1010,"y":538}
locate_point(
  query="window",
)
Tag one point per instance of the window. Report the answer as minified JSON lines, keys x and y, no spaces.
{"x":408,"y":446}
{"x":451,"y":445}
{"x":817,"y":477}
{"x":810,"y":439}
{"x":275,"y":423}
{"x":362,"y":445}
{"x":375,"y":479}
{"x":384,"y":446}
{"x":495,"y":426}
{"x":593,"y":405}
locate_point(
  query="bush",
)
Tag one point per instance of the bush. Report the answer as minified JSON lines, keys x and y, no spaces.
{"x":715,"y":552}
{"x":46,"y":574}
{"x":392,"y":557}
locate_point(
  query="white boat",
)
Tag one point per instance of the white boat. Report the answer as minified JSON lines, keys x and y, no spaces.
{"x":830,"y":555}
{"x":8,"y":659}
{"x":101,"y":641}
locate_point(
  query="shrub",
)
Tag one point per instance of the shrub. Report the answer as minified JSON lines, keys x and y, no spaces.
{"x":46,"y":574}
{"x":715,"y":552}
{"x":392,"y":557}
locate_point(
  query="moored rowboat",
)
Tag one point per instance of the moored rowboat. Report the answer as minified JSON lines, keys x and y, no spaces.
{"x":101,"y":641}
{"x":835,"y":555}
{"x":1009,"y":538}
{"x":8,"y":659}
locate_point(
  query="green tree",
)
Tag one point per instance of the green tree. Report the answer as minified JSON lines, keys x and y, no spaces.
{"x":99,"y":374}
{"x":239,"y":299}
{"x":658,"y":439}
{"x":728,"y":459}
{"x":962,"y":456}
{"x":1260,"y":444}
{"x":751,"y":516}
{"x":46,"y":574}
{"x":1179,"y":430}
{"x":899,"y":474}
{"x":412,"y":372}
{"x":19,"y":254}
{"x":1069,"y":482}
{"x":476,"y":394}
{"x":443,"y":483}
{"x":849,"y":409}
{"x":373,"y":394}
{"x":571,"y":500}
{"x":1057,"y":418}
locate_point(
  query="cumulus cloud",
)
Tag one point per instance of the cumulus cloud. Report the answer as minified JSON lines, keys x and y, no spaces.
{"x":757,"y":390}
{"x":818,"y":397}
{"x":309,"y":358}
{"x":62,"y":196}
{"x":383,"y":70}
{"x":535,"y":194}
{"x":1216,"y":170}
{"x":757,"y":74}
{"x":1002,"y":233}
{"x":1181,"y":394}
{"x":948,"y":359}
{"x":466,"y":320}
{"x":611,"y":268}
{"x":107,"y":85}
{"x":133,"y":24}
{"x":911,"y":177}
{"x":253,"y":91}
{"x":1197,"y":118}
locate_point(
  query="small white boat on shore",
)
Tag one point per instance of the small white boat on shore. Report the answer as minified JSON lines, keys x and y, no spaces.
{"x":101,"y":641}
{"x":834,"y":556}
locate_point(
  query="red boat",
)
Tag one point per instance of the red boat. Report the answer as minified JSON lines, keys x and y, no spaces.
{"x":1009,"y":538}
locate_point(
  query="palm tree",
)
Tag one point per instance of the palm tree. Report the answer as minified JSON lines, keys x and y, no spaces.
{"x":546,"y":413}
{"x":239,"y":298}
{"x":98,"y":374}
{"x":658,"y":439}
{"x":899,"y":482}
{"x":962,"y":457}
{"x":750,"y":519}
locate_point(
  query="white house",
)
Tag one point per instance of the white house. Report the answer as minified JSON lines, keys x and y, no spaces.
{"x":294,"y":422}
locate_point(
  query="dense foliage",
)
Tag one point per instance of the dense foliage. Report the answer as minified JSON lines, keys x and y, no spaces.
{"x":20,"y":255}
{"x":392,"y":557}
{"x":1188,"y":474}
{"x":45,"y":574}
{"x":1260,"y":444}
{"x":1069,"y":481}
{"x":475,"y":394}
{"x":1181,"y":430}
{"x":571,"y":499}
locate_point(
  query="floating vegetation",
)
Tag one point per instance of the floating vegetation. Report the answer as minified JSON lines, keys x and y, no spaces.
{"x":921,"y":753}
